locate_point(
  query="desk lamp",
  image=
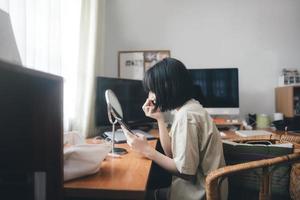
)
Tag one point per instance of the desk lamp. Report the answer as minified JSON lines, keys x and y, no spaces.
{"x":114,"y":108}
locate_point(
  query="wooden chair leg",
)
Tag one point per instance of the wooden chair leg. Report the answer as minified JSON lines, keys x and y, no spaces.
{"x":265,"y":185}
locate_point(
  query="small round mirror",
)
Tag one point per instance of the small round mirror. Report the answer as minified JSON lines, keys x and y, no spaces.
{"x":114,"y":111}
{"x":113,"y":103}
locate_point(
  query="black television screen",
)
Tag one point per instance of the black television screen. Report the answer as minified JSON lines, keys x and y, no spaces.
{"x":217,"y":89}
{"x":31,"y":131}
{"x":131,"y":96}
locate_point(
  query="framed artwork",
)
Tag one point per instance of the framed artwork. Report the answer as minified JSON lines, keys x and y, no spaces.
{"x":152,"y":57}
{"x":133,"y":64}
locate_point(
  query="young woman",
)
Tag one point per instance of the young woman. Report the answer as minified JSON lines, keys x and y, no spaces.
{"x":193,"y":146}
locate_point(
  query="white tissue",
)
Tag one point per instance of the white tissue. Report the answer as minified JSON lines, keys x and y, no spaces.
{"x":72,"y":138}
{"x":84,"y":159}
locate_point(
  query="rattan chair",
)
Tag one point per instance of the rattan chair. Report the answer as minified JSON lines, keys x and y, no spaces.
{"x":214,"y":178}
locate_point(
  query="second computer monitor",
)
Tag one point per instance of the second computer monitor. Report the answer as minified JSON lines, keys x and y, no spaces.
{"x":217,"y":89}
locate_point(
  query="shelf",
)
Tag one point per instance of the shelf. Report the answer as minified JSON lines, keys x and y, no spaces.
{"x":287,"y":100}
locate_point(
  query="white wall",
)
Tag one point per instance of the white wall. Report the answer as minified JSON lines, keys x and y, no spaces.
{"x":260,"y":37}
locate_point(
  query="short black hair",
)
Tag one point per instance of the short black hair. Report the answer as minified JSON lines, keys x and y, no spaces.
{"x":171,"y":82}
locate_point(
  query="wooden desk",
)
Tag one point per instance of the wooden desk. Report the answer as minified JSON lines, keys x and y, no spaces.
{"x":231,"y":135}
{"x":276,"y":135}
{"x":123,"y":178}
{"x":119,"y":178}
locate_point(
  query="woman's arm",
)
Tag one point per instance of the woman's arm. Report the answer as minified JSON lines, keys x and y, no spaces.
{"x":164,"y":138}
{"x":140,"y":144}
{"x":168,"y":164}
{"x":150,"y":111}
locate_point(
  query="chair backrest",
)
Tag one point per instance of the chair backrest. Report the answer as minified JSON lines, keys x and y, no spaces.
{"x":246,"y":185}
{"x":269,"y":160}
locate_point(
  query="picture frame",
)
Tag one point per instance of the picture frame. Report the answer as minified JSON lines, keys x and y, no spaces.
{"x":153,"y":57}
{"x":133,"y":64}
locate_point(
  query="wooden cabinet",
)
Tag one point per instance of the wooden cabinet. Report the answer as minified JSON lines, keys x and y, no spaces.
{"x":288,"y":100}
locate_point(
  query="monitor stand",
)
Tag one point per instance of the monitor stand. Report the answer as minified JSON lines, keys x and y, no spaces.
{"x":226,"y":124}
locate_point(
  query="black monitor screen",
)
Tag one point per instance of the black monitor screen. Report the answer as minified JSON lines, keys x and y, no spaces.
{"x":31,"y":131}
{"x":217,"y":88}
{"x":131,"y":96}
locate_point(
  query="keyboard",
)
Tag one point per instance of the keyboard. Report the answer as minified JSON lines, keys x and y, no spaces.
{"x":247,"y":133}
{"x":121,"y":138}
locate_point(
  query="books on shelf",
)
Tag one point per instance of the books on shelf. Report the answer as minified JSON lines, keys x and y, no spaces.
{"x":247,"y":133}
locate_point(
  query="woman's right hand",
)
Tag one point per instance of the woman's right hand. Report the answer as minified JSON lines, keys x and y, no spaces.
{"x":149,"y":110}
{"x":139,"y":143}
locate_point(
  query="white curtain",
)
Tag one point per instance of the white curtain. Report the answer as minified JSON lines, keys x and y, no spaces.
{"x":90,"y":64}
{"x":63,"y":37}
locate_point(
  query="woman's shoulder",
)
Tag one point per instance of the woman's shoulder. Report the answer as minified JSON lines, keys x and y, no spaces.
{"x":191,"y":109}
{"x":192,"y":106}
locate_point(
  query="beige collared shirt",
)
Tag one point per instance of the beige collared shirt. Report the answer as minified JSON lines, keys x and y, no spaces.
{"x":197,"y":150}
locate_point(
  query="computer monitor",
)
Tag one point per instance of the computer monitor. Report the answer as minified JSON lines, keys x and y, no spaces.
{"x":131,"y":96}
{"x":31,"y":131}
{"x":217,"y":90}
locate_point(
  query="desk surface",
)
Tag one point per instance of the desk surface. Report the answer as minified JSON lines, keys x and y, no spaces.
{"x":232,"y":134}
{"x":118,"y":178}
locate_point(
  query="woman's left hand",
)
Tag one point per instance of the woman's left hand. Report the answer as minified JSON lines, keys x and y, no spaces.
{"x":138,"y":142}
